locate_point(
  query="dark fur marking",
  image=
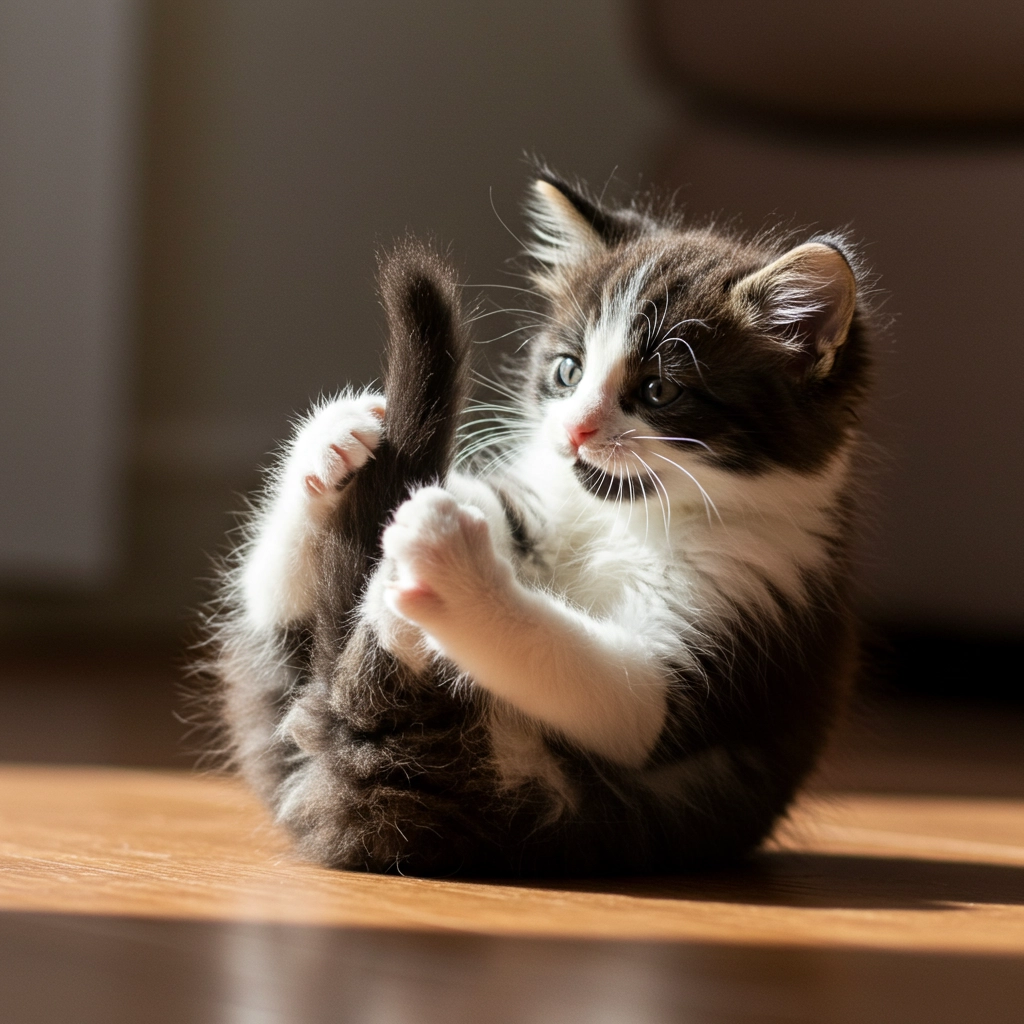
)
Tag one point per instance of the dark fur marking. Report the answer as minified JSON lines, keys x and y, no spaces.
{"x":374,"y":766}
{"x":516,"y":524}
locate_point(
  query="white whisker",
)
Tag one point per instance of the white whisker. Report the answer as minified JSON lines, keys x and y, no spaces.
{"x":502,"y":389}
{"x":693,"y":356}
{"x":508,"y":334}
{"x":708,"y":503}
{"x":666,"y":506}
{"x":683,"y":323}
{"x":502,"y":309}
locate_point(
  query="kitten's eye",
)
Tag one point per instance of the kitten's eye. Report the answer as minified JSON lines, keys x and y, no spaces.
{"x":569,"y":372}
{"x":659,"y":391}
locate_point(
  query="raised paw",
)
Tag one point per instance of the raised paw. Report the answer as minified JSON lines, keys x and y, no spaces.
{"x":334,"y":442}
{"x":440,"y":554}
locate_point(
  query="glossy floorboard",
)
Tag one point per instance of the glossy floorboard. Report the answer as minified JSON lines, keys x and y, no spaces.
{"x":145,"y":895}
{"x":894,"y":894}
{"x":921,"y":873}
{"x":76,"y":969}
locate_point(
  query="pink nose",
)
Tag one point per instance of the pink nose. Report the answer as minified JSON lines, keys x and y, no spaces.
{"x":579,"y":433}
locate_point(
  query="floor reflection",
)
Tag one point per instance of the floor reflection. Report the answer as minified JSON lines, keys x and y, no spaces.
{"x":97,"y":969}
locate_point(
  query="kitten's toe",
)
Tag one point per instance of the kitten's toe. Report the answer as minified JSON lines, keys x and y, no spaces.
{"x":428,"y":537}
{"x":414,"y":601}
{"x":440,"y":557}
{"x":336,"y":442}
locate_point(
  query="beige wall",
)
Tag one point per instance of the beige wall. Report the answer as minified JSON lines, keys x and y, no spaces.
{"x":287,"y":141}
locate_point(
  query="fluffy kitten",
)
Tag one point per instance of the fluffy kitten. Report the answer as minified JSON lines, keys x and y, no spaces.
{"x":616,"y":646}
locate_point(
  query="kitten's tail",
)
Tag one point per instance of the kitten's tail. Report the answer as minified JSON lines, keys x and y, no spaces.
{"x":425,"y":384}
{"x":426,"y":375}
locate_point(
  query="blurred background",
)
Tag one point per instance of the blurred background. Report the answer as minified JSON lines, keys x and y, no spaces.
{"x":192,"y":193}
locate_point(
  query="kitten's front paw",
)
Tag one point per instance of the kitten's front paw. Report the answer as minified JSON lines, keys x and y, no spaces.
{"x":334,"y":442}
{"x":441,"y":556}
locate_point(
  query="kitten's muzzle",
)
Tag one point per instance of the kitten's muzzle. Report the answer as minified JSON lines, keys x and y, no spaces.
{"x":579,"y":434}
{"x":609,"y":487}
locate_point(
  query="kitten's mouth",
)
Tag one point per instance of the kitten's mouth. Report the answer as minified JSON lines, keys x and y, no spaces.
{"x":611,"y":488}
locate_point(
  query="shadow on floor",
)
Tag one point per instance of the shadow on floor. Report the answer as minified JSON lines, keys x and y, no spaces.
{"x":827,"y":881}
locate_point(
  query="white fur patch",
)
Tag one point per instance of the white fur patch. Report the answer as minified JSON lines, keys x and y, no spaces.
{"x":330,"y":444}
{"x":595,"y":681}
{"x":595,"y":400}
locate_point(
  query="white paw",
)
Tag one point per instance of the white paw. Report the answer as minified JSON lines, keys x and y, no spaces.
{"x":440,"y":554}
{"x":334,"y":442}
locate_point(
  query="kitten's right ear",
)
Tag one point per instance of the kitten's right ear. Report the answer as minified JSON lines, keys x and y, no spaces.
{"x":567,"y":225}
{"x":805,"y":300}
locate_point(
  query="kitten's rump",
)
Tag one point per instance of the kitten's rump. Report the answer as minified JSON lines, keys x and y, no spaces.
{"x":388,"y":764}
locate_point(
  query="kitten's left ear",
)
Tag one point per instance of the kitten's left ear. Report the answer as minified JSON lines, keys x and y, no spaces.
{"x":805,"y":300}
{"x":567,"y":224}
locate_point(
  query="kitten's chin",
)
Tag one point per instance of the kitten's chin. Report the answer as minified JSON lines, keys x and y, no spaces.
{"x":608,"y":487}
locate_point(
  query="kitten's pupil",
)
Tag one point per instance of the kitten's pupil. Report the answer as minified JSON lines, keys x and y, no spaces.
{"x":569,"y":372}
{"x":659,"y":391}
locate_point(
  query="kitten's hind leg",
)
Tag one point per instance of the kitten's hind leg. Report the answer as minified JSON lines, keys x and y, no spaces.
{"x":278,"y":565}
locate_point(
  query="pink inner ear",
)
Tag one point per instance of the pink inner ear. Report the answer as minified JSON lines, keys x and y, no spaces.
{"x":806,"y":299}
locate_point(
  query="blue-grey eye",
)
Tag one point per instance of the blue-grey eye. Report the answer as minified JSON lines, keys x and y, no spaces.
{"x":658,"y":391}
{"x":569,"y":372}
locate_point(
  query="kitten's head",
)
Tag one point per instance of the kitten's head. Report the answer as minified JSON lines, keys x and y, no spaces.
{"x":668,"y":349}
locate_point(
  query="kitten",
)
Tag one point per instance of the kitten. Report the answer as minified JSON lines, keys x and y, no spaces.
{"x":615,"y":646}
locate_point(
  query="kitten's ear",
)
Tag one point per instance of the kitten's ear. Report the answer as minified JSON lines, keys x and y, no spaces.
{"x":567,"y":224}
{"x":805,"y":300}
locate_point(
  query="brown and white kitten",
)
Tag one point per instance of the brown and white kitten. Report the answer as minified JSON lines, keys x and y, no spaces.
{"x":618,"y":645}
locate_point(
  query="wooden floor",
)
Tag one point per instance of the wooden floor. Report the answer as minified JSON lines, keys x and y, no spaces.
{"x":894,"y":892}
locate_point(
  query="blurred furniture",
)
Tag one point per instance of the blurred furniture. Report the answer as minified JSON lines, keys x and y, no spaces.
{"x":902,"y":122}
